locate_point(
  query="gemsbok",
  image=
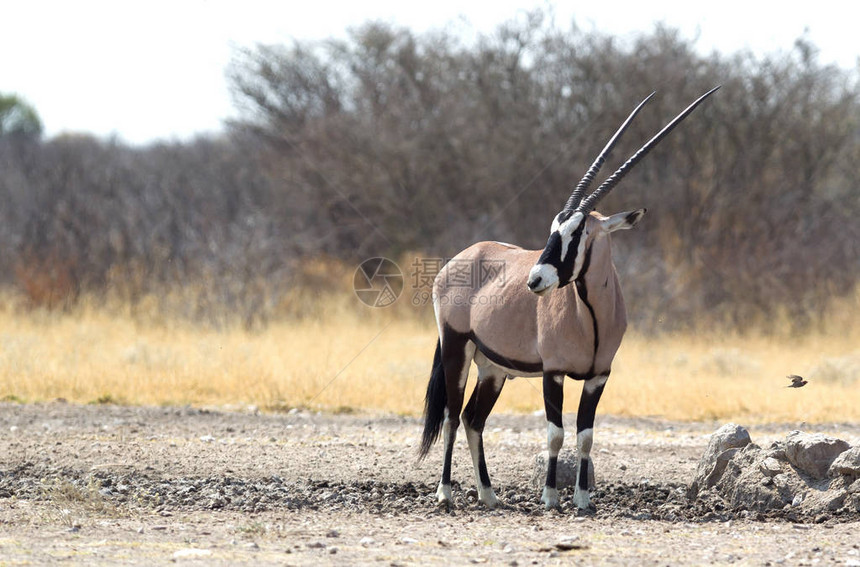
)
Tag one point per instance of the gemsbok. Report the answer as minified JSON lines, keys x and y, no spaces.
{"x":531,"y":322}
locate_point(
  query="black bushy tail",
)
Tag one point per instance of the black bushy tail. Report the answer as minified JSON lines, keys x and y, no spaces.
{"x":434,"y":404}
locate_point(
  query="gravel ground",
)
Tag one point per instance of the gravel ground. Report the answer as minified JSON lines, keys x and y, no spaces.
{"x":112,"y":484}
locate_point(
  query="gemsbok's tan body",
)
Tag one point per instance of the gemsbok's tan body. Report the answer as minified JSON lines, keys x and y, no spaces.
{"x":527,"y":320}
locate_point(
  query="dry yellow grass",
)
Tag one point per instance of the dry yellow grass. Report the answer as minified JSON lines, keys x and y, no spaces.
{"x":378,"y":360}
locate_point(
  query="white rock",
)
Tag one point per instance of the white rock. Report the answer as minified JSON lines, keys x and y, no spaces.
{"x":770,"y":467}
{"x":813,"y":453}
{"x":565,"y":472}
{"x":722,"y":446}
{"x":847,"y":463}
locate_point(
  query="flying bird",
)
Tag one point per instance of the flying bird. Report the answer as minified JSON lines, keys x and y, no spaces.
{"x":796,"y":381}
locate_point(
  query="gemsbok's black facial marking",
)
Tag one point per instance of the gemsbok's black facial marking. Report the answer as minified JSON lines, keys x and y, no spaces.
{"x":561,"y":250}
{"x":552,"y":251}
{"x":568,"y":263}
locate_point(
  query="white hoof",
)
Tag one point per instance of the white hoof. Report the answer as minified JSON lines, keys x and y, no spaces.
{"x":487,"y":497}
{"x":582,"y":499}
{"x":444,"y":497}
{"x":550,"y":497}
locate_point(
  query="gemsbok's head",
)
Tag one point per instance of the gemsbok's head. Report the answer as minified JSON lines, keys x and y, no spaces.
{"x":564,"y":257}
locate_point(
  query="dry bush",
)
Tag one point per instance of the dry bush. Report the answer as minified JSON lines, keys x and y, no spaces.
{"x":391,"y":141}
{"x":391,"y":144}
{"x":47,"y":282}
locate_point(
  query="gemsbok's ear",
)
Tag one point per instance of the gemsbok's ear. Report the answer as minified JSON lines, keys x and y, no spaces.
{"x":621,"y":221}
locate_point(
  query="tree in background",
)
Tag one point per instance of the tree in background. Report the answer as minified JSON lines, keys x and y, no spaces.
{"x":18,"y":118}
{"x":389,"y":143}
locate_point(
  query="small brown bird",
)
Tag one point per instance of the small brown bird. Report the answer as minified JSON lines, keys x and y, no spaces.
{"x":796,"y":381}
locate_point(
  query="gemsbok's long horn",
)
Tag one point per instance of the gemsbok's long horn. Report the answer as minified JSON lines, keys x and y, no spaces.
{"x":588,"y":204}
{"x":586,"y":180}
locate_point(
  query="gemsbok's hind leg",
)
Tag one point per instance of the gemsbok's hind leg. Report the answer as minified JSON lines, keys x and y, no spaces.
{"x":591,"y":391}
{"x":457,"y":353}
{"x":553,"y":398}
{"x":484,"y":396}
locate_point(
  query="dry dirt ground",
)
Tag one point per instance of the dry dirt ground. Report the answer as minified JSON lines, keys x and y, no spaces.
{"x":129,"y":485}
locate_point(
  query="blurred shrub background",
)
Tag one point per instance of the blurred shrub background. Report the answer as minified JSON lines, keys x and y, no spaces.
{"x":402,"y":145}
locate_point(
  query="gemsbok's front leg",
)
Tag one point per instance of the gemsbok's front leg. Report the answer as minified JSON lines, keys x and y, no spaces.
{"x":591,"y":391}
{"x":553,"y":398}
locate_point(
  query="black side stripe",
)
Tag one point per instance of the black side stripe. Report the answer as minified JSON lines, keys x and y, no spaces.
{"x":582,"y":290}
{"x":496,"y":358}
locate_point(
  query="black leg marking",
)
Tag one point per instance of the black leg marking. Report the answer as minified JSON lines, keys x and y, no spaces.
{"x":482,"y":401}
{"x":482,"y":464}
{"x":583,"y":474}
{"x":480,"y":404}
{"x":591,"y":392}
{"x":588,"y":406}
{"x":446,"y":464}
{"x":551,"y":468}
{"x":454,"y":361}
{"x":553,"y":398}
